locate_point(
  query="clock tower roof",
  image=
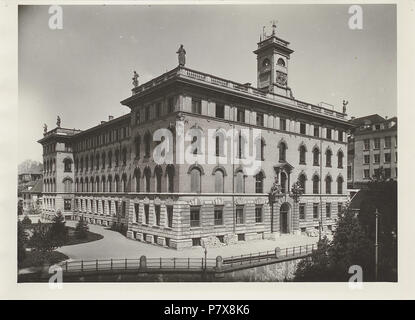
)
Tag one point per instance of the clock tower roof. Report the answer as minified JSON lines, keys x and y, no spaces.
{"x":275,"y":43}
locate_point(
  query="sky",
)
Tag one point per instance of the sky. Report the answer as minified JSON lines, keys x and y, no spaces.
{"x":84,"y":70}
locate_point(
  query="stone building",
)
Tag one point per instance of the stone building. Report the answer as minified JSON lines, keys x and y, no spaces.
{"x":108,"y":173}
{"x":372,"y":150}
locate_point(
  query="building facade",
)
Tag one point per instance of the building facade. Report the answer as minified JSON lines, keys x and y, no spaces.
{"x":109,"y":174}
{"x":373,"y":150}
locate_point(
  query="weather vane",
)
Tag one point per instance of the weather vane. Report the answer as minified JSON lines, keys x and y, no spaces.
{"x":274,"y":26}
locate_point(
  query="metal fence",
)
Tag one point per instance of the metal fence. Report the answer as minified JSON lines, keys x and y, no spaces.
{"x":181,"y":264}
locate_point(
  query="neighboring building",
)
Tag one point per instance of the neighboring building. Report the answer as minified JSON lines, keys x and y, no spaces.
{"x":32,"y":197}
{"x":372,"y":150}
{"x":107,"y":173}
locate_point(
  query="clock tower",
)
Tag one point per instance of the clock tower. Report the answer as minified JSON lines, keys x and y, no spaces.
{"x":272,"y":64}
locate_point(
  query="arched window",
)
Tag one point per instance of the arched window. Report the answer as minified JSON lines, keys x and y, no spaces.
{"x":67,"y":182}
{"x":97,"y":161}
{"x":302,"y":180}
{"x":240,"y":182}
{"x":281,"y":62}
{"x":260,"y":146}
{"x":158,"y":172}
{"x":109,"y":183}
{"x":282,"y":152}
{"x":284,"y":181}
{"x":104,"y":189}
{"x":97,"y":184}
{"x":195,"y":180}
{"x":77,"y":185}
{"x":86,"y":185}
{"x":116,"y":183}
{"x":76,"y":164}
{"x":302,"y":151}
{"x":137,"y":175}
{"x":328,"y":157}
{"x":124,"y":183}
{"x":67,"y":163}
{"x":328,"y":184}
{"x":316,"y":181}
{"x":219,"y":180}
{"x":170,"y":178}
{"x":147,"y":176}
{"x":147,"y":144}
{"x":340,"y":185}
{"x":92,"y":162}
{"x":137,"y":145}
{"x":103,"y":160}
{"x":340,"y":159}
{"x":82,"y":184}
{"x":259,"y":182}
{"x":91,"y":181}
{"x":81,"y":162}
{"x":316,"y":154}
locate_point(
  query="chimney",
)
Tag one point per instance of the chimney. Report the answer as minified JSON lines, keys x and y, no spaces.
{"x":110,"y":118}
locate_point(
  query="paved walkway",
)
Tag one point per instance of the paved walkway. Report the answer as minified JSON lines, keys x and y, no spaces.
{"x":115,"y":245}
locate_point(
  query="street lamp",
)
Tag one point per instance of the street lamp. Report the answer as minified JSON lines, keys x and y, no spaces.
{"x":296,"y":192}
{"x":376,"y":243}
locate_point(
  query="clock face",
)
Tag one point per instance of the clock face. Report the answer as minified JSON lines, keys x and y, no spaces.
{"x":266,"y":63}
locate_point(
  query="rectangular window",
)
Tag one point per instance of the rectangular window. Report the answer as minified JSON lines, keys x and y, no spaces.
{"x":328,"y":210}
{"x":239,"y":215}
{"x":366,"y":144}
{"x":240,"y":115}
{"x":196,"y":242}
{"x":259,"y":119}
{"x":283,"y":124}
{"x":339,"y":208}
{"x":147,"y":113}
{"x":137,"y":117}
{"x":158,"y":110}
{"x":258,"y":214}
{"x":377,"y":158}
{"x":195,"y":217}
{"x":157,"y":210}
{"x":302,"y":211}
{"x":388,"y":142}
{"x":349,"y":172}
{"x":67,"y":204}
{"x":315,"y":211}
{"x":366,"y":159}
{"x":302,"y":128}
{"x":366,"y":173}
{"x":136,"y":212}
{"x":196,"y":106}
{"x":220,"y":111}
{"x":316,"y":131}
{"x":387,"y":173}
{"x":147,"y":214}
{"x":328,"y":133}
{"x":170,"y":216}
{"x":340,"y":137}
{"x":170,"y":105}
{"x":218,"y":216}
{"x":377,"y":143}
{"x":116,"y":208}
{"x":387,"y":157}
{"x":109,"y":208}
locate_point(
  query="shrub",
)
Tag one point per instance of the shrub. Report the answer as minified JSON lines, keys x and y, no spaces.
{"x":81,"y":229}
{"x":26,"y":221}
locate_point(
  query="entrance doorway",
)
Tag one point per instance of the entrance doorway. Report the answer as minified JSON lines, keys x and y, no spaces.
{"x":284,"y":215}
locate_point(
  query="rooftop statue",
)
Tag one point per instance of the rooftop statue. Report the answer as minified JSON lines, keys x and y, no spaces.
{"x":58,"y":121}
{"x":182,"y":56}
{"x":135,"y":79}
{"x":344,"y":105}
{"x":45,"y":128}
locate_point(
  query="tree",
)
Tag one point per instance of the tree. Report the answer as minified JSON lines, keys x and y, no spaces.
{"x":332,"y":260}
{"x":21,"y":243}
{"x":26,"y":221}
{"x":19,"y":207}
{"x":81,"y":229}
{"x":58,"y":232}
